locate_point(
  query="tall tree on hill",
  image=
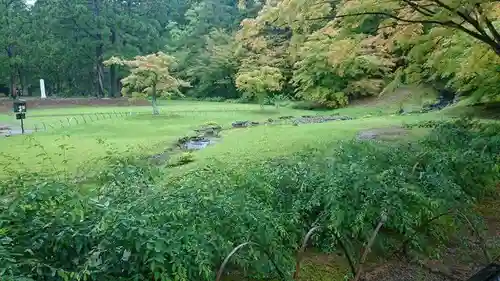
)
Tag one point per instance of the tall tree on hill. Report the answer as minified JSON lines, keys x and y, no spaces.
{"x":106,"y":28}
{"x":13,"y":17}
{"x":204,"y":44}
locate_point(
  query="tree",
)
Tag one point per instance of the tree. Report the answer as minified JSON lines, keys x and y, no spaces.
{"x":13,"y":18}
{"x":204,"y":44}
{"x":473,"y":17}
{"x":213,"y":73}
{"x":260,"y":82}
{"x":150,"y":76}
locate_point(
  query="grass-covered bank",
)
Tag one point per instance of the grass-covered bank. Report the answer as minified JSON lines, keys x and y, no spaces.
{"x":131,"y":227}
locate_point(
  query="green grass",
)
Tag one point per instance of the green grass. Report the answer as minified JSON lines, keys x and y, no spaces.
{"x":76,"y":148}
{"x":240,"y":146}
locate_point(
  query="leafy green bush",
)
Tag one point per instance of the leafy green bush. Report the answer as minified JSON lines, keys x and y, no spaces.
{"x":240,"y":100}
{"x":181,"y":159}
{"x":128,"y":226}
{"x":214,"y":99}
{"x":309,"y":105}
{"x":130,"y":229}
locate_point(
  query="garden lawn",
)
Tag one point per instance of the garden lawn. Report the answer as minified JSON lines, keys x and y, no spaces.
{"x":80,"y":147}
{"x":238,"y":147}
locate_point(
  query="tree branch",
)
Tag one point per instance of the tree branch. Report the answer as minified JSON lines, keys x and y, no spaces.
{"x":421,"y":9}
{"x":463,"y":15}
{"x":483,"y":38}
{"x":488,"y":23}
{"x":478,"y":35}
{"x":384,"y":14}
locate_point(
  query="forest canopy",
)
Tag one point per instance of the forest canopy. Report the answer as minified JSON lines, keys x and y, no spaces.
{"x":326,"y":52}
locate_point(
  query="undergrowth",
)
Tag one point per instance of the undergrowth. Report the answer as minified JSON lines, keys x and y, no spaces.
{"x":127,"y":225}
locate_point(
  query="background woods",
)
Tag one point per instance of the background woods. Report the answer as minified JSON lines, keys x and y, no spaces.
{"x":326,"y":52}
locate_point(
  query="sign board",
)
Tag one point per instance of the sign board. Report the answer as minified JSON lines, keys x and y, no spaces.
{"x":19,"y":106}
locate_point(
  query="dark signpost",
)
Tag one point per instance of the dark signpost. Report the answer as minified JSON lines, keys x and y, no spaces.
{"x":20,"y":111}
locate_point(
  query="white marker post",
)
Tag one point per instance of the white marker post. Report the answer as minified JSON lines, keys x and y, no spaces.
{"x":42,"y":89}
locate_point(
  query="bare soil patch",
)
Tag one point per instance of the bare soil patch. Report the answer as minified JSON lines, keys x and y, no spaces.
{"x":382,"y":133}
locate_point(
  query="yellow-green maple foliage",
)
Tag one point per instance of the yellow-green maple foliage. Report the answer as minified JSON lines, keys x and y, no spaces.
{"x":150,"y":76}
{"x":260,"y":82}
{"x":320,"y":60}
{"x":332,"y":52}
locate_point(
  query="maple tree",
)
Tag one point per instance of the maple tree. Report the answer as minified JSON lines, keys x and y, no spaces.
{"x":260,"y":82}
{"x":150,"y":76}
{"x":334,"y":51}
{"x":475,"y":18}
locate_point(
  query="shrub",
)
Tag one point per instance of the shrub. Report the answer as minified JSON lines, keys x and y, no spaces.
{"x":128,"y":226}
{"x":309,"y":105}
{"x":240,"y":100}
{"x":214,"y":99}
{"x":181,"y":159}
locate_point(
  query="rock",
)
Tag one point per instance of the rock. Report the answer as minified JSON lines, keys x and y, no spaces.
{"x":240,"y":124}
{"x":270,"y":120}
{"x":345,"y":118}
{"x":254,"y":123}
{"x":211,"y":131}
{"x":285,"y":117}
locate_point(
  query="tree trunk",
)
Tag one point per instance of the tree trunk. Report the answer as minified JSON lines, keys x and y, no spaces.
{"x":113,"y":80}
{"x":21,"y":81}
{"x":12,"y":85}
{"x":99,"y":51}
{"x":156,"y":111}
{"x":113,"y":69}
{"x":100,"y":70}
{"x":12,"y":76}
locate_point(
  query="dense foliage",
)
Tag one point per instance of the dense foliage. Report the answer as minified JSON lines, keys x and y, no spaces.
{"x":130,"y":227}
{"x":326,"y":52}
{"x":150,"y":76}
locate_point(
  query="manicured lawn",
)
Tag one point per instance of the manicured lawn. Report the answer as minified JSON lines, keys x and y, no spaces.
{"x":78,"y":147}
{"x":69,"y":148}
{"x":240,"y":146}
